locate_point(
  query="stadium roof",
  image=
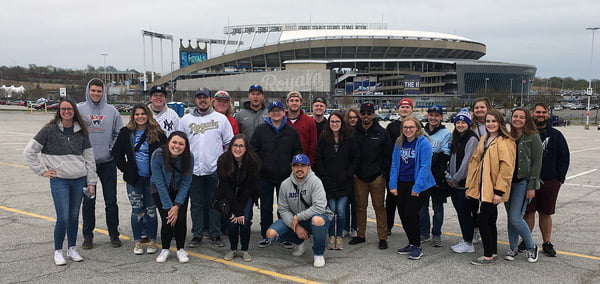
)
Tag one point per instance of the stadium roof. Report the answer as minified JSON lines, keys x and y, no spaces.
{"x":389,"y":34}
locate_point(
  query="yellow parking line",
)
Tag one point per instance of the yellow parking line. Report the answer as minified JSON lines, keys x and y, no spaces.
{"x":13,"y":165}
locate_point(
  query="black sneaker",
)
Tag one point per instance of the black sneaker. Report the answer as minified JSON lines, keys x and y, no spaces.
{"x":383,"y":244}
{"x":522,"y":247}
{"x":115,"y":242}
{"x":548,"y":249}
{"x":356,"y":241}
{"x":532,"y":254}
{"x":217,"y":242}
{"x":87,"y":243}
{"x":195,"y":242}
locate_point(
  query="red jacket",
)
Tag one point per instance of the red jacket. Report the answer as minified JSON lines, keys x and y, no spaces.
{"x":307,"y":130}
{"x":234,"y":125}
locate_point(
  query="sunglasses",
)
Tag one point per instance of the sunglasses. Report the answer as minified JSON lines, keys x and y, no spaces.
{"x":366,"y":112}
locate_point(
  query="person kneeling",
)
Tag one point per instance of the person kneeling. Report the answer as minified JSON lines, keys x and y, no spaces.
{"x":302,"y":205}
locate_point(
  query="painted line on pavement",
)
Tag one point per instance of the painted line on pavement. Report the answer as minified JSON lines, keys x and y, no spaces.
{"x":583,"y":150}
{"x":580,"y":174}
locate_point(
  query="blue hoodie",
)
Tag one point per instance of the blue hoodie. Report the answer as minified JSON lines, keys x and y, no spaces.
{"x":423,"y":177}
{"x":103,"y":124}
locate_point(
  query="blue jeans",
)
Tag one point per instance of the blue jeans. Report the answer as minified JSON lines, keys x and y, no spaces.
{"x":319,"y":233}
{"x":67,"y":195}
{"x":143,"y":210}
{"x":463,"y":206}
{"x":107,"y":172}
{"x":241,"y":232}
{"x":515,"y":209}
{"x":438,"y":216}
{"x":266,"y":204}
{"x":350,"y":212}
{"x":202,"y":193}
{"x":338,"y":206}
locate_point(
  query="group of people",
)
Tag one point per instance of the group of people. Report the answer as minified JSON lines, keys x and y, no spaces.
{"x":322,"y":171}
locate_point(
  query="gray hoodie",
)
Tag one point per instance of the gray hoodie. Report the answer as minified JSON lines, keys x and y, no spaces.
{"x":103,"y":124}
{"x":312,"y":191}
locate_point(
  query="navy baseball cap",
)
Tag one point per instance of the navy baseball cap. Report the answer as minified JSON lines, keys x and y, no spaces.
{"x":275,"y":104}
{"x":158,"y":89}
{"x":256,"y":87}
{"x":436,"y":108}
{"x":301,"y":158}
{"x":203,"y":91}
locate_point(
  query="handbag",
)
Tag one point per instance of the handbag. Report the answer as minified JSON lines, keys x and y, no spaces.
{"x":223,"y":207}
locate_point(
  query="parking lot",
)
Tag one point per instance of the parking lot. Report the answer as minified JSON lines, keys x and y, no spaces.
{"x":27,"y":223}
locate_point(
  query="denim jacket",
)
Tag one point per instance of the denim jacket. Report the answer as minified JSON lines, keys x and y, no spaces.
{"x":161,"y":178}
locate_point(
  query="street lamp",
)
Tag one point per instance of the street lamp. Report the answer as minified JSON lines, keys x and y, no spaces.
{"x":104,"y":55}
{"x":485,"y":91}
{"x":522,"y":82}
{"x":589,"y":89}
{"x":511,"y":92}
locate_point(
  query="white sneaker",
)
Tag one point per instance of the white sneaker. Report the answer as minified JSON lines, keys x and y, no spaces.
{"x":73,"y":254}
{"x":319,"y":261}
{"x":182,"y":256}
{"x":138,"y":248}
{"x":353,"y":233}
{"x":458,"y":244}
{"x":464,"y":248}
{"x":162,"y":257}
{"x":299,"y":250}
{"x":59,"y":259}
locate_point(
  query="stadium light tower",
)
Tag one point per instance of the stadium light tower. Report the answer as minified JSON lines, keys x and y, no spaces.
{"x":589,"y":91}
{"x":104,"y":55}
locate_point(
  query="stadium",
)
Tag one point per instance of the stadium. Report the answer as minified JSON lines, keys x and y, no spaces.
{"x":348,"y":64}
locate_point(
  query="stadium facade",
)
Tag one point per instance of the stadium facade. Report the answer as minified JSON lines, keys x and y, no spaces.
{"x":351,"y":63}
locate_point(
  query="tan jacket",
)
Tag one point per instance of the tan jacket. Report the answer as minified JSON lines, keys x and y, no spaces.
{"x":498,"y":166}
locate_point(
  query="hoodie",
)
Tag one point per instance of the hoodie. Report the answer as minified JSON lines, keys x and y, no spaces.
{"x":313,"y":193}
{"x":103,"y":124}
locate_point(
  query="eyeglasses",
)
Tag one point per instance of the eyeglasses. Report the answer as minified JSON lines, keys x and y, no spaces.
{"x":409,"y":127}
{"x":366,"y":112}
{"x":352,"y":117}
{"x":66,"y":109}
{"x":335,"y":121}
{"x":239,"y":146}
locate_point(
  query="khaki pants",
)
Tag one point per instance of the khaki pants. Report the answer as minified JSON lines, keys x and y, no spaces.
{"x":361,"y":193}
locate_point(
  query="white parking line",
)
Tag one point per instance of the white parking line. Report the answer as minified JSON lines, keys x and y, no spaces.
{"x":590,"y":149}
{"x":580,"y":174}
{"x":582,"y":185}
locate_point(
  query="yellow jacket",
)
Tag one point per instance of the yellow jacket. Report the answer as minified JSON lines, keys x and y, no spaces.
{"x":497,"y":172}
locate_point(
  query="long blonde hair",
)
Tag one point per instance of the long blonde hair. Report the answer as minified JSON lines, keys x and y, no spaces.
{"x":152,"y":127}
{"x":419,"y":132}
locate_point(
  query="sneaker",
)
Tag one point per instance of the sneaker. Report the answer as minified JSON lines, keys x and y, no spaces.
{"x":522,"y":247}
{"x":436,"y":241}
{"x":138,"y":248}
{"x":357,"y":240}
{"x":383,"y":244}
{"x":195,"y":242}
{"x":73,"y":254}
{"x":483,"y":261}
{"x":299,"y":250}
{"x":416,"y":253}
{"x":182,"y":256}
{"x":217,"y":242}
{"x":405,"y":250}
{"x":532,"y":254}
{"x":476,"y":236}
{"x":511,"y":254}
{"x":152,"y":248}
{"x":459,"y":244}
{"x":229,"y":255}
{"x":425,"y":239}
{"x":87,"y":243}
{"x":319,"y":261}
{"x":264,"y":243}
{"x":339,"y":243}
{"x":205,"y":235}
{"x":287,"y":245}
{"x":353,"y":233}
{"x":115,"y":242}
{"x":162,"y":257}
{"x":246,"y":256}
{"x":344,"y":233}
{"x":463,"y":248}
{"x":331,"y":242}
{"x":548,"y":249}
{"x":59,"y":259}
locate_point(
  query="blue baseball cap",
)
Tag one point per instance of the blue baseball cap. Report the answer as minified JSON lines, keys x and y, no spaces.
{"x":436,"y":108}
{"x":256,"y":88}
{"x":275,"y":104}
{"x":302,"y":159}
{"x":203,"y":91}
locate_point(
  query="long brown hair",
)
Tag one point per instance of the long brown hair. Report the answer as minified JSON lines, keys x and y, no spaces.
{"x":419,"y":132}
{"x":152,"y":127}
{"x":250,"y":161}
{"x":502,"y":131}
{"x":186,"y":156}
{"x":529,"y":127}
{"x":355,"y":111}
{"x":76,"y":117}
{"x":343,"y":134}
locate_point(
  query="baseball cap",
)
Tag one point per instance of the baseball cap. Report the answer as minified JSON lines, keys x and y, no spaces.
{"x":319,"y":100}
{"x":406,"y":102}
{"x":275,"y":104}
{"x":293,"y":94}
{"x":256,"y":87}
{"x":158,"y":89}
{"x":302,"y":159}
{"x":436,"y":108}
{"x":203,"y":91}
{"x":222,"y":95}
{"x":367,"y":107}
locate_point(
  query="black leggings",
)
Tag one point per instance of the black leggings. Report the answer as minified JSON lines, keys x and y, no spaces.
{"x":167,"y":231}
{"x":408,"y":209}
{"x":488,"y":214}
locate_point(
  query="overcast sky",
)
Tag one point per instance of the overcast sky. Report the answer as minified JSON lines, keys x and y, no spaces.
{"x":549,"y":34}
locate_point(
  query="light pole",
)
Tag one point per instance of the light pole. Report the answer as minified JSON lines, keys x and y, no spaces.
{"x":522,"y":82}
{"x":589,"y":89}
{"x":485,"y":91}
{"x":511,"y":93}
{"x":104,"y":55}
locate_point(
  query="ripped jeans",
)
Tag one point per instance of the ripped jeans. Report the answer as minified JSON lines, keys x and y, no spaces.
{"x":142,"y":209}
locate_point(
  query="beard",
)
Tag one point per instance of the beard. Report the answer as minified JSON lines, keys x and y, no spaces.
{"x":541,"y":123}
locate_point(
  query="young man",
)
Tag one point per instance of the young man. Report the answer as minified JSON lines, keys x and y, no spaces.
{"x":167,"y":118}
{"x":302,"y":205}
{"x":405,"y":108}
{"x":555,"y":163}
{"x":440,"y":138}
{"x":375,"y":158}
{"x":209,"y":132}
{"x":254,"y":112}
{"x":275,"y":142}
{"x":319,"y":106}
{"x":306,"y":126}
{"x":104,"y":129}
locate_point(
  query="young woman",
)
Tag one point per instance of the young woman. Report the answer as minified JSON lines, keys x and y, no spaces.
{"x":68,"y":161}
{"x":337,"y":158}
{"x":352,"y":117}
{"x":239,"y":174}
{"x":480,"y":108}
{"x":525,"y":182}
{"x":489,"y":180}
{"x":350,"y":223}
{"x":411,"y":175}
{"x":464,"y":142}
{"x":136,"y":141}
{"x":172,"y":166}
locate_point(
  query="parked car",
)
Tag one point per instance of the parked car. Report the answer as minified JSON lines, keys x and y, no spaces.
{"x":383,"y":117}
{"x":557,"y":121}
{"x":53,"y":106}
